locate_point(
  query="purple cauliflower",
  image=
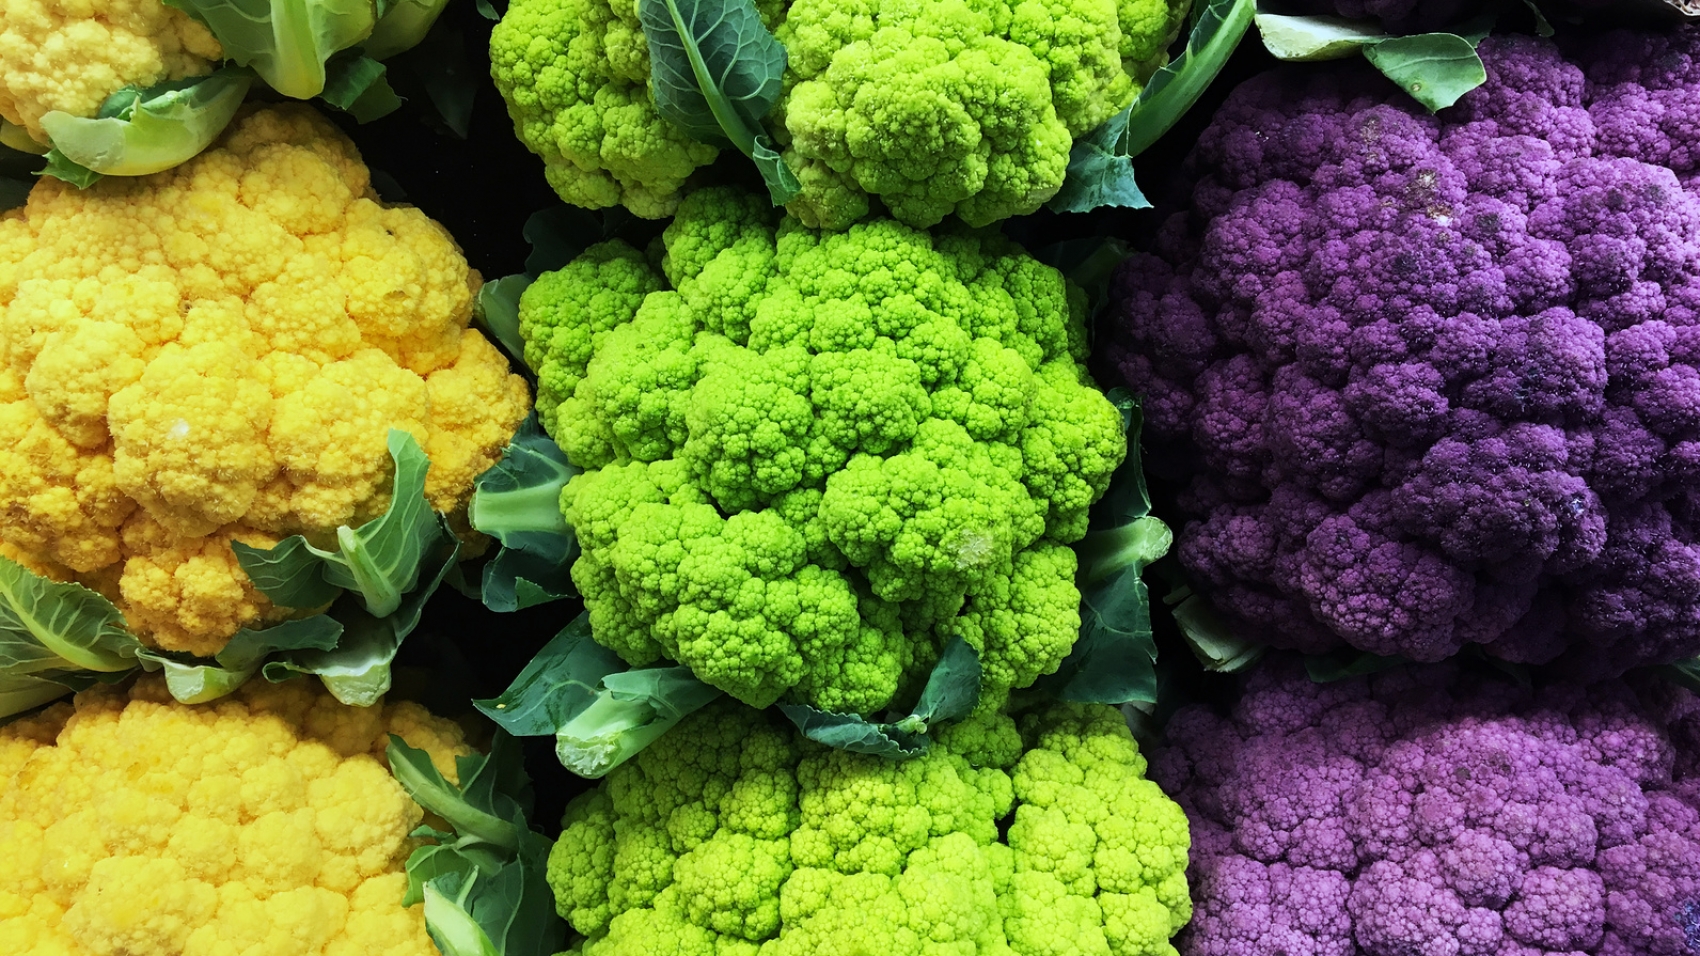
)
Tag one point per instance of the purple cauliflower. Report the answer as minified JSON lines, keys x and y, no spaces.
{"x":1430,"y":812}
{"x":1435,"y":380}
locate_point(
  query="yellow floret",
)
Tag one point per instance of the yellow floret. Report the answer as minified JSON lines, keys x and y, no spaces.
{"x":265,"y":824}
{"x":70,"y":55}
{"x":218,"y":352}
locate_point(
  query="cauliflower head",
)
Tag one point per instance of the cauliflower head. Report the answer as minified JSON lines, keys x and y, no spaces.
{"x":816,"y":457}
{"x":1435,"y":380}
{"x":734,"y":836}
{"x":217,"y":353}
{"x":938,"y":107}
{"x":266,"y":824}
{"x":70,"y":56}
{"x":1429,"y":810}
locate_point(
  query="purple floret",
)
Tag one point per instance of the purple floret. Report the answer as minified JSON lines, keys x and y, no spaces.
{"x":1434,"y":381}
{"x":1429,"y":811}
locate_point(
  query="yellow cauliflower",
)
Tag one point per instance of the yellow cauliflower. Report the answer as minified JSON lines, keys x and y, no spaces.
{"x":263,"y":825}
{"x":217,"y":353}
{"x":71,"y":54}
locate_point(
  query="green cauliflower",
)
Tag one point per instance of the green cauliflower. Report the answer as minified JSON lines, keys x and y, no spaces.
{"x":811,"y":458}
{"x":734,"y":836}
{"x":934,"y":106}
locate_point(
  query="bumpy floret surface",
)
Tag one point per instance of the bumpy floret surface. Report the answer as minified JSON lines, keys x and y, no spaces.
{"x":812,"y":458}
{"x":266,"y":824}
{"x":1425,"y":810}
{"x":1438,"y":377}
{"x":733,"y":835}
{"x":217,"y":353}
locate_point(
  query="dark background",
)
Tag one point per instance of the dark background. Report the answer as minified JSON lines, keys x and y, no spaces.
{"x":483,"y":188}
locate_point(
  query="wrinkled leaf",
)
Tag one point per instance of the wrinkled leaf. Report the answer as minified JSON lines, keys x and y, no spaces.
{"x":1100,"y":167}
{"x":357,"y":670}
{"x":601,"y":713}
{"x":952,"y":690}
{"x":1435,"y":68}
{"x":60,"y":167}
{"x":1113,"y":662}
{"x":141,"y":131}
{"x":715,"y":72}
{"x":50,"y":625}
{"x":483,"y":885}
{"x":379,"y":561}
{"x":287,"y":42}
{"x":196,"y":680}
{"x":555,"y":685}
{"x":357,"y":84}
{"x":518,"y":502}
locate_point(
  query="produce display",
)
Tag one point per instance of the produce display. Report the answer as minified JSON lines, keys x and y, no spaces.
{"x":850,"y":478}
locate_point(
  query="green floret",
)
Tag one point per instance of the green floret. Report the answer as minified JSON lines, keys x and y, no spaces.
{"x":742,"y":837}
{"x":937,"y":107}
{"x":817,"y":457}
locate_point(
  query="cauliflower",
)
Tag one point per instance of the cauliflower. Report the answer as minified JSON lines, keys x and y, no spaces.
{"x":1429,"y":810}
{"x":1437,"y":379}
{"x":218,"y":354}
{"x":733,"y":836}
{"x":937,"y":107}
{"x":57,"y":55}
{"x":266,"y":825}
{"x":816,"y":457}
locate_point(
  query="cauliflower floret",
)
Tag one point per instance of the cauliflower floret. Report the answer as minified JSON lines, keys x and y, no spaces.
{"x":58,"y":55}
{"x":218,"y":353}
{"x":264,"y":824}
{"x":731,"y":832}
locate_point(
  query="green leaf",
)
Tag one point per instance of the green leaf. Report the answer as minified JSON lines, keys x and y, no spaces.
{"x":497,"y":310}
{"x":1089,"y":262}
{"x":1685,"y":673}
{"x":633,"y":710}
{"x":487,"y":10}
{"x":555,"y":685}
{"x":401,"y":27}
{"x":1307,"y":39}
{"x":715,"y":72}
{"x":1100,"y":172}
{"x":484,"y":885}
{"x":60,"y":167}
{"x":558,"y":234}
{"x":141,"y":131}
{"x":357,"y":670}
{"x":601,"y":713}
{"x":1435,"y":68}
{"x":50,"y":625}
{"x":379,"y":561}
{"x":196,"y":680}
{"x":1113,"y":662}
{"x":1543,"y":26}
{"x":1216,"y":645}
{"x":18,"y":140}
{"x":357,"y":85}
{"x":952,"y":690}
{"x":287,"y":42}
{"x":1347,"y":662}
{"x":1100,"y":167}
{"x":480,"y":813}
{"x":855,"y":734}
{"x":21,"y":692}
{"x":518,"y":502}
